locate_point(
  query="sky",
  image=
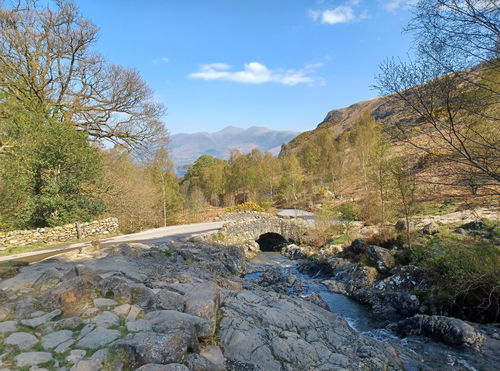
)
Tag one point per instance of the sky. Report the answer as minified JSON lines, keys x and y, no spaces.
{"x":281,"y":64}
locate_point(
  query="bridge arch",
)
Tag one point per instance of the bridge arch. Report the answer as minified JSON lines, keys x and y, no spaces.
{"x":271,"y":241}
{"x":259,"y":229}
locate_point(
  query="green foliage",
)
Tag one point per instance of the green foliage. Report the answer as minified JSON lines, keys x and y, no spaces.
{"x":51,"y":176}
{"x":467,"y":276}
{"x":209,"y":175}
{"x":167,"y":252}
{"x":348,"y":211}
{"x":340,"y":240}
{"x":246,"y":206}
{"x":245,"y":177}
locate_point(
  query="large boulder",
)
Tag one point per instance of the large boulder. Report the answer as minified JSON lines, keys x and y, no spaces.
{"x":347,"y":277}
{"x":150,"y":347}
{"x":295,"y":252}
{"x":266,"y":331}
{"x":170,"y":320}
{"x":476,"y":225}
{"x":393,"y":297}
{"x":277,"y":279}
{"x":407,"y":278}
{"x":142,"y":296}
{"x":167,"y":299}
{"x":73,"y":292}
{"x":202,"y":300}
{"x":430,"y":229}
{"x":383,"y":259}
{"x":116,"y":286}
{"x":389,"y":305}
{"x":449,"y":330}
{"x":359,"y":246}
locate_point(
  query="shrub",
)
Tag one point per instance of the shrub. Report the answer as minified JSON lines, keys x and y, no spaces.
{"x":468,"y":283}
{"x":348,"y":211}
{"x":246,"y":206}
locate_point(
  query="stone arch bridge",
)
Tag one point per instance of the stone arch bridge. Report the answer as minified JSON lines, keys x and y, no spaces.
{"x":264,"y":233}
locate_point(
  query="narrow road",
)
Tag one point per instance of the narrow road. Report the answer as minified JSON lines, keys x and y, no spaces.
{"x":157,"y":235}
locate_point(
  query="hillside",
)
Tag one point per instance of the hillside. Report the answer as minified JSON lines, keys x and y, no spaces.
{"x":186,"y":148}
{"x":343,"y":119}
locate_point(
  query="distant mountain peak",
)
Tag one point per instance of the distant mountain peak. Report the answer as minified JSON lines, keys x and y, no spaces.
{"x":186,"y":148}
{"x":230,"y":129}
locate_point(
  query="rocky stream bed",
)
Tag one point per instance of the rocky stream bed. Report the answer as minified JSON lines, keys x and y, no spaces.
{"x":201,"y":306}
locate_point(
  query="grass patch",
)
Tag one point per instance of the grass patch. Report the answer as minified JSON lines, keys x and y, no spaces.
{"x":340,"y":240}
{"x":438,"y":208}
{"x":38,"y":348}
{"x":79,"y":328}
{"x":61,"y":359}
{"x":90,"y":352}
{"x":48,"y":365}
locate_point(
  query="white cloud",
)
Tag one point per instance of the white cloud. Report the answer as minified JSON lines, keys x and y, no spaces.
{"x":341,"y":14}
{"x":215,"y":66}
{"x":314,"y":66}
{"x":393,"y":5}
{"x":161,"y":60}
{"x":255,"y":73}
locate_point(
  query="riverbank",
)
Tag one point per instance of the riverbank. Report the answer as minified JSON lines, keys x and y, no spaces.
{"x":451,"y":345}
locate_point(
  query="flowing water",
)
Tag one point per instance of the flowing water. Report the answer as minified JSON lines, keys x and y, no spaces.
{"x":417,"y":353}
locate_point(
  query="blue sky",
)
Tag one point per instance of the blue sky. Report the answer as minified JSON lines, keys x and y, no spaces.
{"x":282,"y":64}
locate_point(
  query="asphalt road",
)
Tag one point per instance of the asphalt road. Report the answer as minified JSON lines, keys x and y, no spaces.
{"x":152,"y":236}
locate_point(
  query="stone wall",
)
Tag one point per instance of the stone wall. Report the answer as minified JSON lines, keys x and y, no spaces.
{"x":252,"y":229}
{"x":237,"y":216}
{"x":57,"y":234}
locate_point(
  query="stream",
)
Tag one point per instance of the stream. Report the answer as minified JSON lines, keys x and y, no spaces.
{"x":416,"y":352}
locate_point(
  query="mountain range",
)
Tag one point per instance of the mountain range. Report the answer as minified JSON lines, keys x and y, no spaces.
{"x":186,"y":148}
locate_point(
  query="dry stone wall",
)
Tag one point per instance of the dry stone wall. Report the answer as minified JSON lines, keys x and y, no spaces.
{"x":58,"y":234}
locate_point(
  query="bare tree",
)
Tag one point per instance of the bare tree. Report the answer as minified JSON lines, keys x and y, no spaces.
{"x":457,"y":34}
{"x":452,"y":86}
{"x":47,"y":64}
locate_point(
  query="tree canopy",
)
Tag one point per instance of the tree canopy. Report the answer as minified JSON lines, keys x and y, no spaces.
{"x":48,"y":65}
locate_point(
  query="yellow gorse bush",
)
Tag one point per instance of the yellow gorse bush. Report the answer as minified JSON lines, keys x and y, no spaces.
{"x":246,"y":206}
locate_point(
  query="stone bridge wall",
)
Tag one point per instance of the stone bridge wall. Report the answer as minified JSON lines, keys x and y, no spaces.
{"x":57,"y":234}
{"x":252,"y":229}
